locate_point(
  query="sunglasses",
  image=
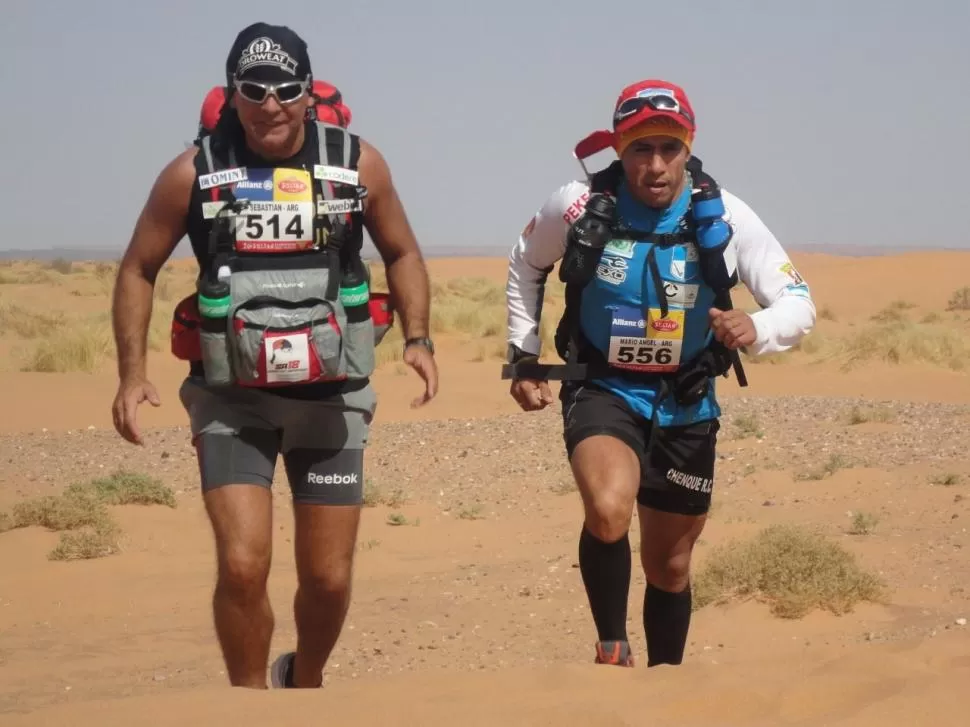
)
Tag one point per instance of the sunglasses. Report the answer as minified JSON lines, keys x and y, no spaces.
{"x":258,"y":91}
{"x":657,"y":102}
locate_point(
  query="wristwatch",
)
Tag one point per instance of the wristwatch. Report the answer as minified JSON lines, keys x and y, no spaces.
{"x":421,"y":341}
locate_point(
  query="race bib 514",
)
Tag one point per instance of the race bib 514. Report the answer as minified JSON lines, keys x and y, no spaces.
{"x":279,"y":217}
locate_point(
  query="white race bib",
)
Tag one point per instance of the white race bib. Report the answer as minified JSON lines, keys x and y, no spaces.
{"x":652,"y":344}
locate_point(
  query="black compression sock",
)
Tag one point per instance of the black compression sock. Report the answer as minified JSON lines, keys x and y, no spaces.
{"x":666,"y":620}
{"x":605,"y":568}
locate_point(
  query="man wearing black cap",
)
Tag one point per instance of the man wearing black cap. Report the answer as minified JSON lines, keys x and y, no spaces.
{"x":274,"y":204}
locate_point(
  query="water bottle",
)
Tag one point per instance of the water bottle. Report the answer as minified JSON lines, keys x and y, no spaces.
{"x":713,"y":236}
{"x":586,"y":239}
{"x":215,"y":300}
{"x":359,"y":335}
{"x":355,"y":294}
{"x":713,"y":233}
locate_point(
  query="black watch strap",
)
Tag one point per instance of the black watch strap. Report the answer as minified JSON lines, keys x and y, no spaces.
{"x":420,"y":341}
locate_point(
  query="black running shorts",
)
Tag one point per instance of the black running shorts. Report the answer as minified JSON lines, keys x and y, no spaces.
{"x":239,"y":433}
{"x":676,"y":463}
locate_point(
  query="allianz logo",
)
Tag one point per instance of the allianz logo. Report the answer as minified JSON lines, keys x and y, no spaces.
{"x":626,"y":322}
{"x":247,"y":184}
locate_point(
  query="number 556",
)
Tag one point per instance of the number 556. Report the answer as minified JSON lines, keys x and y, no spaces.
{"x":644,"y":355}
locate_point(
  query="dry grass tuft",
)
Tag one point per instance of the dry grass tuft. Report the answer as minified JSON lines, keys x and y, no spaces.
{"x":473,"y":309}
{"x":894,"y":312}
{"x":865,"y":414}
{"x":960,"y":300}
{"x":82,"y":348}
{"x":791,"y":569}
{"x":748,"y":425}
{"x":828,"y":468}
{"x":375,"y":494}
{"x":81,"y":514}
{"x":906,"y":342}
{"x":863,"y":523}
{"x":27,"y":324}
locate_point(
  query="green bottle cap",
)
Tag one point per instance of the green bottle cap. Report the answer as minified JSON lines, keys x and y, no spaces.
{"x":214,"y":307}
{"x":357,"y":295}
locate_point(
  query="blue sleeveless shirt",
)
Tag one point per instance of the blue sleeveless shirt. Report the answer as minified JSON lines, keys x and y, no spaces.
{"x":620,"y":311}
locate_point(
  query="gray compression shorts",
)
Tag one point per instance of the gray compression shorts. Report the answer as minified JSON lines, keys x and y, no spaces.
{"x":238,"y":434}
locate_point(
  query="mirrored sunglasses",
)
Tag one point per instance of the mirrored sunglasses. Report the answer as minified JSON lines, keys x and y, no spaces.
{"x":258,"y":91}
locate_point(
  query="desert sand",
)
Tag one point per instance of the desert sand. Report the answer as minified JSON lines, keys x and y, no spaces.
{"x":468,"y":606}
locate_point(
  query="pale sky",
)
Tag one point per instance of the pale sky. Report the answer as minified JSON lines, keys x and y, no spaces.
{"x":843,"y":122}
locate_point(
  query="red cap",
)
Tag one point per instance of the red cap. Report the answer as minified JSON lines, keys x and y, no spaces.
{"x":680,"y":110}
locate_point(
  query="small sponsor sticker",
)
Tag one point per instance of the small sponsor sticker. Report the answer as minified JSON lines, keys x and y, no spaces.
{"x":211,"y":209}
{"x":338,"y":206}
{"x":226,"y":176}
{"x":336,"y":174}
{"x":664,"y":325}
{"x":622,"y":248}
{"x":789,"y":270}
{"x":291,"y":186}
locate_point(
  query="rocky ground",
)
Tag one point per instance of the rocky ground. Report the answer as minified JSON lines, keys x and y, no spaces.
{"x":468,"y":551}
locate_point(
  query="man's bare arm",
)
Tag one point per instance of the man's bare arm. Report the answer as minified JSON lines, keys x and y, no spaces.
{"x":387,"y":223}
{"x":158,"y":230}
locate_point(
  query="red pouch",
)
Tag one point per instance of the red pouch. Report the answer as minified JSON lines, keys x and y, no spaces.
{"x":382,"y":313}
{"x":186,"y":324}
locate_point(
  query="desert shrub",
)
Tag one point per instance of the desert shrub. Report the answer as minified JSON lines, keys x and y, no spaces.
{"x":792,"y":569}
{"x":81,"y":516}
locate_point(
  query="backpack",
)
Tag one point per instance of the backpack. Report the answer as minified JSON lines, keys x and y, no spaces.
{"x":329,"y":108}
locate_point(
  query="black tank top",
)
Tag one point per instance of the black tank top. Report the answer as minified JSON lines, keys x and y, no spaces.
{"x":198,"y":229}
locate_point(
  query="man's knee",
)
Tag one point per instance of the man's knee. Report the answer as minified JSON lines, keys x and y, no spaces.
{"x":608,"y":514}
{"x":669,"y":571}
{"x":607,"y":472}
{"x":330,"y":580}
{"x":243,"y":571}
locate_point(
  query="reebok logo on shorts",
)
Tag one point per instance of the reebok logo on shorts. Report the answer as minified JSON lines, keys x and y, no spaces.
{"x":691,"y":482}
{"x":315,"y":479}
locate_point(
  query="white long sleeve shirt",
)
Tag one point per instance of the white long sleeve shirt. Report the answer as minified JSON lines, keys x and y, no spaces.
{"x":788,"y":311}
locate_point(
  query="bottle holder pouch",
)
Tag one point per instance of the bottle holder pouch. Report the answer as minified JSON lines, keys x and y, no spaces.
{"x":382,"y":314}
{"x":186,"y":322}
{"x":187,"y":340}
{"x":276,"y":342}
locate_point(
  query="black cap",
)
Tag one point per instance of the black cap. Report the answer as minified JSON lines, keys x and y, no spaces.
{"x":264,"y":52}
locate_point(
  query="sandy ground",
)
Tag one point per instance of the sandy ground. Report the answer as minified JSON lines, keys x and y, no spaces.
{"x":473,"y":611}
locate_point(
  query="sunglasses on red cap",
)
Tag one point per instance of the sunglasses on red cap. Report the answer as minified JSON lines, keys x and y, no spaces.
{"x":286,"y":92}
{"x":655,"y":101}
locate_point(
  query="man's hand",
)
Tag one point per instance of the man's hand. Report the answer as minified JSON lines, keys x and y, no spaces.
{"x":531,"y":394}
{"x":734,"y":328}
{"x":131,"y":393}
{"x":421,"y":360}
{"x":158,"y":230}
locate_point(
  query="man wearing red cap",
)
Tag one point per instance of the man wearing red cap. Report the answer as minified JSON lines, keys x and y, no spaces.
{"x":275,"y":204}
{"x":649,"y":248}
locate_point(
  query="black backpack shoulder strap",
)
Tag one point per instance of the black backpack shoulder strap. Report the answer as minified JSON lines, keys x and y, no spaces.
{"x":606,"y":180}
{"x":340,"y":196}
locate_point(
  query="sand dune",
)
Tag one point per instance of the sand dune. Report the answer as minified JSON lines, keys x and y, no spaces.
{"x":472,"y":610}
{"x":911,"y":683}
